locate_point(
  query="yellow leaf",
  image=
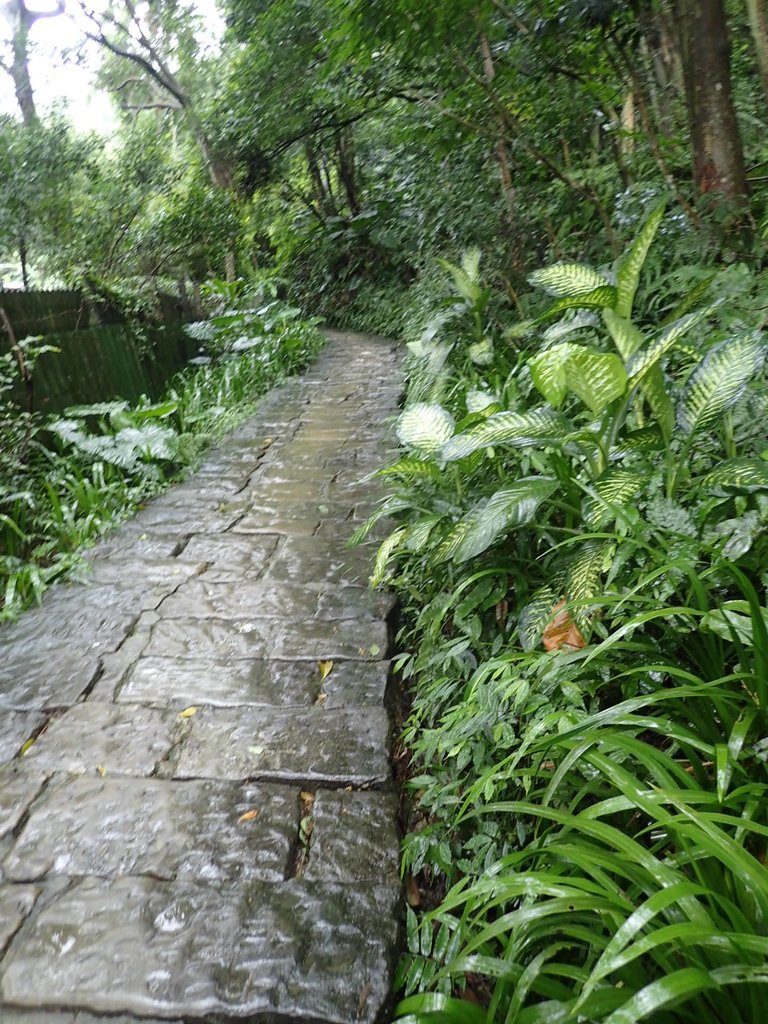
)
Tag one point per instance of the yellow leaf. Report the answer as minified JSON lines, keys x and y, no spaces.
{"x":188,"y":712}
{"x":101,"y":770}
{"x":325,"y":668}
{"x":248,"y":816}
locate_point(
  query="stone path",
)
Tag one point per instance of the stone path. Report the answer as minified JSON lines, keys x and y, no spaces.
{"x":197,"y":821}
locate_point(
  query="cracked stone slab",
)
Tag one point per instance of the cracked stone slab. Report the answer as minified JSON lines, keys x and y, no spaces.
{"x":312,"y":560}
{"x":67,"y":1017}
{"x":297,"y":951}
{"x":46,"y":677}
{"x":354,"y":838}
{"x":165,"y":682}
{"x":321,"y":639}
{"x":16,"y":727}
{"x":201,"y":599}
{"x":18,"y":789}
{"x":136,"y":573}
{"x":230,"y":558}
{"x":109,"y":738}
{"x":209,"y":639}
{"x":349,"y":747}
{"x":16,"y":903}
{"x":108,"y":827}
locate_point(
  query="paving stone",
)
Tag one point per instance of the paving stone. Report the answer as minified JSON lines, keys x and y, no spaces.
{"x":109,"y":738}
{"x":202,"y":599}
{"x":45,"y":676}
{"x":346,"y":747}
{"x":18,"y":788}
{"x":298,"y":951}
{"x":16,"y":902}
{"x":67,"y":1017}
{"x":16,"y":727}
{"x":230,"y":557}
{"x":316,"y":560}
{"x":187,"y":830}
{"x":322,"y":640}
{"x":164,"y":682}
{"x":209,"y":639}
{"x":147,"y":572}
{"x":354,"y":838}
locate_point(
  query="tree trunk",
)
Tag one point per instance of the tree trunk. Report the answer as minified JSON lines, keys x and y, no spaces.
{"x":22,"y":250}
{"x":758,"y":22}
{"x":718,"y":158}
{"x":502,"y":156}
{"x":345,"y":153}
{"x":21,"y":20}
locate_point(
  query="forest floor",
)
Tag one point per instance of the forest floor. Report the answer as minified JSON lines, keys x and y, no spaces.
{"x":197,"y":819}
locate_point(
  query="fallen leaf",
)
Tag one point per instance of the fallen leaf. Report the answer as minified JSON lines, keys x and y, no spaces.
{"x":256,"y":750}
{"x":306,"y":796}
{"x":101,"y":770}
{"x":412,"y":893}
{"x":375,"y":649}
{"x":248,"y":816}
{"x":27,"y":745}
{"x":325,"y":668}
{"x":362,"y":1002}
{"x":188,"y":712}
{"x":562,"y":631}
{"x":321,"y":698}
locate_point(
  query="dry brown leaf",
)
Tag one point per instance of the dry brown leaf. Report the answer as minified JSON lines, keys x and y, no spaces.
{"x":325,"y":668}
{"x":188,"y":712}
{"x":412,"y":892}
{"x":248,"y":816}
{"x":562,"y":631}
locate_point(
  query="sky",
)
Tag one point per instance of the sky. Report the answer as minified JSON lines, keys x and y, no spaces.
{"x":54,"y":79}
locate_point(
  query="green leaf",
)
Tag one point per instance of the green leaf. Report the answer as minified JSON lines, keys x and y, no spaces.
{"x":626,"y":337}
{"x":509,"y":507}
{"x":548,"y":372}
{"x":436,"y":1008}
{"x":628,"y":272}
{"x":719,"y":381}
{"x":534,"y":618}
{"x":425,"y":426}
{"x":642,"y":361}
{"x":611,"y":492}
{"x":654,"y":391}
{"x":384,"y":554}
{"x":597,"y":378}
{"x":584,"y":572}
{"x":539,"y":426}
{"x":481,"y":353}
{"x":601,"y":298}
{"x":568,"y":280}
{"x":736,"y":475}
{"x":676,"y":987}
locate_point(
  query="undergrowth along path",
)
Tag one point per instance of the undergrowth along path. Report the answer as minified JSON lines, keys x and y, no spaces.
{"x":197,"y":819}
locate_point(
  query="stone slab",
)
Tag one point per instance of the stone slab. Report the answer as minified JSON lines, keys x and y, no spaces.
{"x":316,"y":560}
{"x":230,"y":557}
{"x":18,"y":789}
{"x":46,"y":677}
{"x":203,"y":599}
{"x":209,"y":639}
{"x":297,"y":951}
{"x":164,"y":682}
{"x":348,"y":747}
{"x":187,"y":830}
{"x":319,"y":639}
{"x":354,"y":838}
{"x":16,"y":727}
{"x":16,"y":903}
{"x":9,"y":1016}
{"x":100,"y":737}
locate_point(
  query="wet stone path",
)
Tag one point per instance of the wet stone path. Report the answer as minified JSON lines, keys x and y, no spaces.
{"x":197,"y":820}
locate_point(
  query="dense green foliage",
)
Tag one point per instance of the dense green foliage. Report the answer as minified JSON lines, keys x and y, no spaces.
{"x":65,"y":479}
{"x":561,"y":208}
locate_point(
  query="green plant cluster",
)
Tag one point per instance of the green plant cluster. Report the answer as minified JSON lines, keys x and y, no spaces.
{"x":65,"y":479}
{"x":580,"y":513}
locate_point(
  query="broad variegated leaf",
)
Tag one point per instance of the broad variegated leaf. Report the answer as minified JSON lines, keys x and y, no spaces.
{"x":637,"y":442}
{"x":478,"y":400}
{"x":534,"y":617}
{"x":523,"y":429}
{"x":584,"y":573}
{"x":654,"y":391}
{"x":642,"y":361}
{"x":568,"y":280}
{"x":719,"y":381}
{"x":512,"y":506}
{"x":626,"y":337}
{"x":611,"y":492}
{"x":600,"y":298}
{"x":628,"y":272}
{"x":419,"y":532}
{"x":736,"y":475}
{"x":384,"y":554}
{"x":425,"y":426}
{"x":481,"y":353}
{"x":597,"y":378}
{"x":548,"y":372}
